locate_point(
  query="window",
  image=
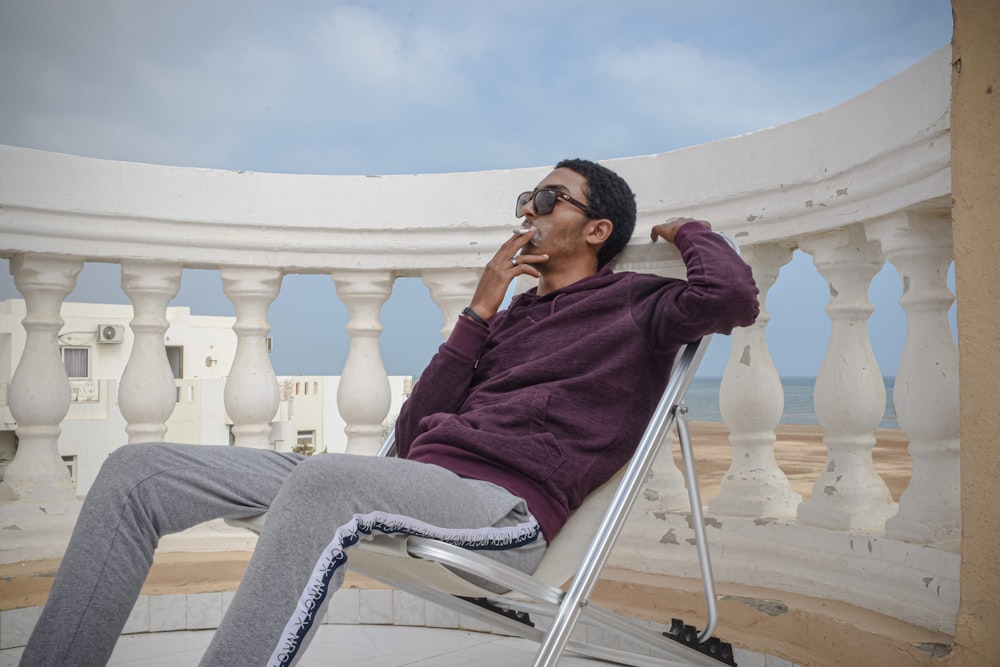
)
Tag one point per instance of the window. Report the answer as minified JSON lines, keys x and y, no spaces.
{"x":305,"y":442}
{"x":175,"y":356}
{"x":77,"y":361}
{"x":70,"y":463}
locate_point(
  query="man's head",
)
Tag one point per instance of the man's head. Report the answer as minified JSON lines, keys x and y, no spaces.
{"x":608,"y":196}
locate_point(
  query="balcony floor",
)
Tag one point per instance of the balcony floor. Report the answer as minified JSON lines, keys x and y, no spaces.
{"x":371,"y":645}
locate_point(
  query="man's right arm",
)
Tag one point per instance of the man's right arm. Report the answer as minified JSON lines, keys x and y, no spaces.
{"x":445,"y":382}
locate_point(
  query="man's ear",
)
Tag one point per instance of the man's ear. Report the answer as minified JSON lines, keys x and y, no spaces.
{"x":599,"y":231}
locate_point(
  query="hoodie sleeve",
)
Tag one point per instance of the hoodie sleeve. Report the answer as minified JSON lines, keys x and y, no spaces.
{"x":445,"y":382}
{"x":718,"y":295}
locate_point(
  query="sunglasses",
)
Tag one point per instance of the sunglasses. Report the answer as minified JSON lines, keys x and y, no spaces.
{"x":544,"y":200}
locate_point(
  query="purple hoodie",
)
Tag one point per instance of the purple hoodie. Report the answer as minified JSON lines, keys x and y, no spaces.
{"x":551,"y":400}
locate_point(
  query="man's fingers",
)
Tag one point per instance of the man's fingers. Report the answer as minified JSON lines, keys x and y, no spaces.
{"x":668,"y":230}
{"x":531,"y":259}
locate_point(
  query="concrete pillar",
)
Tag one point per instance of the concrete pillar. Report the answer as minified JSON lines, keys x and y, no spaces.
{"x":751,"y":400}
{"x":850,"y":393}
{"x":39,"y":390}
{"x":251,"y":394}
{"x":147,"y":393}
{"x":363,"y":396}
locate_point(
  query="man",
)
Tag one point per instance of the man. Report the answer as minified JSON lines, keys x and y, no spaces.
{"x":519,"y":415}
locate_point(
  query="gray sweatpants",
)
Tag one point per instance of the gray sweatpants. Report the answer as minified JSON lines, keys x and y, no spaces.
{"x":317,"y":506}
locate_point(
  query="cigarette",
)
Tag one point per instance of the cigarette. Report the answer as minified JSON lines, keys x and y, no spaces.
{"x":521,"y":230}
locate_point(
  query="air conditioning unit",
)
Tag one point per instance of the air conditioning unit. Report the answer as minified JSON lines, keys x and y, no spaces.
{"x":110,"y":333}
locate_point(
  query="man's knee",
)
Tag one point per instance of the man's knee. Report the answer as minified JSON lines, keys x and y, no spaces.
{"x":335,"y":478}
{"x":315,"y":470}
{"x":131,"y":462}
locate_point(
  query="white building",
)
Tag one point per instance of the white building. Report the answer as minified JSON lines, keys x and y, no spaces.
{"x":95,"y":343}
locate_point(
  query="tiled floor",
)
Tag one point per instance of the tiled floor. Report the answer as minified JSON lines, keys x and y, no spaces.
{"x":370,"y":645}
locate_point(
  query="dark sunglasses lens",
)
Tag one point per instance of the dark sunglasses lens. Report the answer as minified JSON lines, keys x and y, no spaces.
{"x":522,"y":200}
{"x":545,"y":201}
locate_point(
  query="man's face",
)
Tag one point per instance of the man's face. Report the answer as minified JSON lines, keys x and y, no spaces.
{"x":560,"y":232}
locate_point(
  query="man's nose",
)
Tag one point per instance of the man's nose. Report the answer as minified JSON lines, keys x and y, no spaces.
{"x":528,"y":209}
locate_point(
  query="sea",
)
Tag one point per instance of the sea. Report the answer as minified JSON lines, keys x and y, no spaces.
{"x":703,"y":401}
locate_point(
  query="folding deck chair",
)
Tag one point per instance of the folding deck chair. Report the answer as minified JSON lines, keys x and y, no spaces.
{"x":427,"y":568}
{"x":430,"y":569}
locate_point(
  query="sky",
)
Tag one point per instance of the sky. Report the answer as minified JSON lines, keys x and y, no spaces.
{"x":411,"y":86}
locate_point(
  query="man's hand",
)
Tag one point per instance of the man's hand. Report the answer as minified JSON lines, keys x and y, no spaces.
{"x":501,"y":270}
{"x":668,"y":230}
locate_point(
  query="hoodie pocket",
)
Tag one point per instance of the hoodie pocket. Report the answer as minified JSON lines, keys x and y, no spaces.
{"x":512,"y":430}
{"x":519,"y":413}
{"x":508,"y":431}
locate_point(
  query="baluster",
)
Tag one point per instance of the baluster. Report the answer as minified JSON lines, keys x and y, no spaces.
{"x":849,"y":396}
{"x":363,"y":396}
{"x":39,"y":390}
{"x":251,"y":394}
{"x":751,"y":400}
{"x":925,"y":392}
{"x":664,"y":489}
{"x":148,"y":392}
{"x":452,"y":290}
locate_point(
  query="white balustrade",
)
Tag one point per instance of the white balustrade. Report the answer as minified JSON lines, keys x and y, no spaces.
{"x":251,"y":394}
{"x":363,"y":396}
{"x":39,"y":390}
{"x":147,"y":393}
{"x":878,"y":164}
{"x":751,"y":400}
{"x":925,"y":393}
{"x":849,"y":396}
{"x":452,"y":290}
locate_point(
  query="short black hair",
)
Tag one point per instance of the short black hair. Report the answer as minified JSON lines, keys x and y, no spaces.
{"x":609,"y":196}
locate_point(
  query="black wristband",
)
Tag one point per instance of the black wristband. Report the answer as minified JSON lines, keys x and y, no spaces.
{"x":474,"y":316}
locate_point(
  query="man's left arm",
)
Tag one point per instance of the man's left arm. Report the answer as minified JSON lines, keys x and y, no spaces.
{"x":719,"y":293}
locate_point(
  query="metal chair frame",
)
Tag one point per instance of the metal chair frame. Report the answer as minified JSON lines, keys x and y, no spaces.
{"x":681,"y":645}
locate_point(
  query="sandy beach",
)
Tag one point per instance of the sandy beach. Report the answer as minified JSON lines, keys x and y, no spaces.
{"x":800,"y":453}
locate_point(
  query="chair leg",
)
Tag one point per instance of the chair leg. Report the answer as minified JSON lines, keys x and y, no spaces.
{"x":698,"y":519}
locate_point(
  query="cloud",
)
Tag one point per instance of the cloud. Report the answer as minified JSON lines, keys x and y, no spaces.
{"x":332,"y":88}
{"x":134,"y":81}
{"x":727,"y":69}
{"x":672,"y":85}
{"x":387,"y":87}
{"x":375,"y":59}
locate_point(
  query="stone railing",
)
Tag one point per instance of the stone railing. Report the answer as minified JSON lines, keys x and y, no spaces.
{"x":860,"y":184}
